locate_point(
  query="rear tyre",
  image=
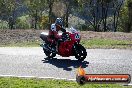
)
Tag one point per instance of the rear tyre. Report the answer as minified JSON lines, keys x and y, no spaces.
{"x":80,"y":52}
{"x":50,"y":53}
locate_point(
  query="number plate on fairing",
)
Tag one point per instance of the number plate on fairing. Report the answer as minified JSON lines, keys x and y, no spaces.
{"x":77,"y":36}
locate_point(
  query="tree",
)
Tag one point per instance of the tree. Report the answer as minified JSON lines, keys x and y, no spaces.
{"x":7,"y":11}
{"x":35,"y":9}
{"x":129,"y":26}
{"x":98,"y":13}
{"x":116,"y":9}
{"x":95,"y":13}
{"x":50,"y":5}
{"x":126,"y":16}
{"x":105,"y":4}
{"x":69,"y":5}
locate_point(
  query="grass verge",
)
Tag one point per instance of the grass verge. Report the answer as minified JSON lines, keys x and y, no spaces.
{"x":107,"y":44}
{"x":92,"y":44}
{"x":11,"y":82}
{"x":22,"y":44}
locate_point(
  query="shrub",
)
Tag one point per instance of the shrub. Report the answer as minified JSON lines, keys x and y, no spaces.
{"x":84,"y":27}
{"x":44,"y":22}
{"x":3,"y":24}
{"x":125,"y":17}
{"x":23,"y":22}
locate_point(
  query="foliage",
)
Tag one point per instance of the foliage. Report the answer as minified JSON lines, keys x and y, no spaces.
{"x":8,"y":6}
{"x":44,"y":22}
{"x":23,"y":22}
{"x":84,"y":27}
{"x":36,"y":7}
{"x":125,"y":18}
{"x":93,"y":12}
{"x":3,"y":24}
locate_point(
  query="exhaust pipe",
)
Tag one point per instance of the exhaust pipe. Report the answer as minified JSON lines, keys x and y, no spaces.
{"x":43,"y":36}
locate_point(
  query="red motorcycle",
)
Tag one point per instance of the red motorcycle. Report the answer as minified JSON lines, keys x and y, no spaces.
{"x":68,"y":45}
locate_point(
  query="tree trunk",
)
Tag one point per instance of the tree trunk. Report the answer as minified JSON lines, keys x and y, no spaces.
{"x":50,"y":12}
{"x":67,"y":15}
{"x":102,"y":11}
{"x":36,"y":19}
{"x":114,"y":23}
{"x":129,"y":27}
{"x":103,"y":17}
{"x":105,"y":20}
{"x":117,"y":10}
{"x":97,"y":16}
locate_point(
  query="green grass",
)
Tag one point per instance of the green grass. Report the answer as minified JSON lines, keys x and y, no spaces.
{"x":107,"y":43}
{"x":92,"y":44}
{"x":22,"y":44}
{"x":10,"y":82}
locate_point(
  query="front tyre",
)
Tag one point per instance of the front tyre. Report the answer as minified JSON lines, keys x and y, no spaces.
{"x":80,"y":52}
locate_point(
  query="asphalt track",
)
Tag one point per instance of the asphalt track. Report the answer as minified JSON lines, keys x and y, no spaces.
{"x":32,"y":62}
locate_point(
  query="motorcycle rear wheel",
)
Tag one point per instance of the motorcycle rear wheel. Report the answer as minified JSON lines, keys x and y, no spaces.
{"x":49,"y":54}
{"x":80,"y":52}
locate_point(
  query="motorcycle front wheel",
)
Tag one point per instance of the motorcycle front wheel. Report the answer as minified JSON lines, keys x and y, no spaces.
{"x":80,"y":52}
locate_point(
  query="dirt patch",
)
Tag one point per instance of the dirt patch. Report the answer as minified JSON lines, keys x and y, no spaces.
{"x":107,"y":35}
{"x":8,"y":36}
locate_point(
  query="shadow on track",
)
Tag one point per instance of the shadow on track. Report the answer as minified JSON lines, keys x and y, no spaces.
{"x":66,"y":64}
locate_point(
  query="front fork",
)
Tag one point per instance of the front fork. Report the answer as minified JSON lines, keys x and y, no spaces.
{"x":75,"y":47}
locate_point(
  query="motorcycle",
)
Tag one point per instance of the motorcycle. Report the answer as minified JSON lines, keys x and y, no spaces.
{"x":68,"y":45}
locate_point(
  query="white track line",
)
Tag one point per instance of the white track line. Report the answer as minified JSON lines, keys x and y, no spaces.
{"x":128,"y":84}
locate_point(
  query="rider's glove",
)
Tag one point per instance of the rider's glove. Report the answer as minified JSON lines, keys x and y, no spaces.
{"x":63,"y":30}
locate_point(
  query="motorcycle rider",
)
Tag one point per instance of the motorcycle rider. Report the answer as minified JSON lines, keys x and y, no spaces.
{"x":53,"y":37}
